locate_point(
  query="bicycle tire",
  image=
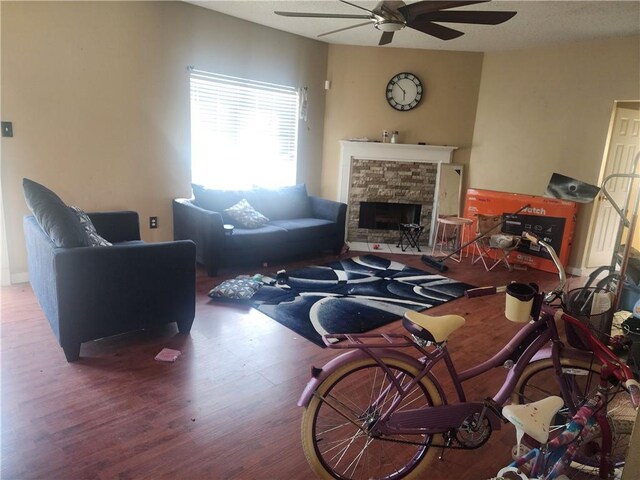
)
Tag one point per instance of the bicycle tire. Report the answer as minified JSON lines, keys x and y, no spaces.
{"x":362,"y":456}
{"x":586,"y":461}
{"x":538,"y":381}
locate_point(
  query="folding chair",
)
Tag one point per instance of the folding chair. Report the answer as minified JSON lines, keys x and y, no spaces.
{"x":493,"y":241}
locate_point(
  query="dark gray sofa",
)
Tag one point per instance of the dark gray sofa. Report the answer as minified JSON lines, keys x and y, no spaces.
{"x":89,"y":292}
{"x":299,"y":225}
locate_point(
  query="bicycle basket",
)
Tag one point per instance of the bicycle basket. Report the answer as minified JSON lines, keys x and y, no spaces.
{"x":579,"y":305}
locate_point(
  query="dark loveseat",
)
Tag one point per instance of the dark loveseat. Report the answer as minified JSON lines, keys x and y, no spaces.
{"x":93,"y":292}
{"x":298,"y":224}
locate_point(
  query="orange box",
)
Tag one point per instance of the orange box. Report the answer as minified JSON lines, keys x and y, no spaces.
{"x":550,"y":219}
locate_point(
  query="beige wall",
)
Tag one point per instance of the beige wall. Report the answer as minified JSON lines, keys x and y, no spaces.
{"x":547,"y":110}
{"x":98,"y":93}
{"x":356,"y":104}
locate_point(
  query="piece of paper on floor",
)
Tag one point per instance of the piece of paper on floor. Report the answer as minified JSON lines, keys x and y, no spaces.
{"x":168,"y":355}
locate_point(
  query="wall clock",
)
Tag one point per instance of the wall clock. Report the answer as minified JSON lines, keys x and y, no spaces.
{"x":404,"y":91}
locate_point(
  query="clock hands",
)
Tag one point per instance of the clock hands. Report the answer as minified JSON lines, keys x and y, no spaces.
{"x":404,"y":92}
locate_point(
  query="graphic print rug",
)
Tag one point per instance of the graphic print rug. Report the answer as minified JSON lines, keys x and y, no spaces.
{"x":352,"y":296}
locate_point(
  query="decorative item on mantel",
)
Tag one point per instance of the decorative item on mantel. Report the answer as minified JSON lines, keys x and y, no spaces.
{"x":395,"y":137}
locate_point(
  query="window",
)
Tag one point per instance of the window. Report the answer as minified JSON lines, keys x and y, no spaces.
{"x":243,"y":133}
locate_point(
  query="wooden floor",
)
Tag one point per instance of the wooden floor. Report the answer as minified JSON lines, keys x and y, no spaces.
{"x":226,"y":409}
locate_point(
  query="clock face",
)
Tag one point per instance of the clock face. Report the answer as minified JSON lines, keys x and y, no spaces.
{"x":404,"y":91}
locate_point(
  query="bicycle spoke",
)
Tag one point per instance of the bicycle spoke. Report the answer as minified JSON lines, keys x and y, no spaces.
{"x":344,"y":416}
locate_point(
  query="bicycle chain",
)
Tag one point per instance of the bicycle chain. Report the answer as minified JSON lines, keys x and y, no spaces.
{"x":452,"y":438}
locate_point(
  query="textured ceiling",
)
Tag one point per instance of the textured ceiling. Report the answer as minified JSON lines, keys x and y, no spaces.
{"x":536,"y":23}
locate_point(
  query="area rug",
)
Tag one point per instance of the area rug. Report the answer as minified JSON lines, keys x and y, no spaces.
{"x":351,"y":296}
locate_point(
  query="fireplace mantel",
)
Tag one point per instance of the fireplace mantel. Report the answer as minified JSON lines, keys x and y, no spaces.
{"x":392,"y":152}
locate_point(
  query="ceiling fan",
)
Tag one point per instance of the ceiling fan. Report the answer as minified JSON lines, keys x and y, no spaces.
{"x":390,"y":16}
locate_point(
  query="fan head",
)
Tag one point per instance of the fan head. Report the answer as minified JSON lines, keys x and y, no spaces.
{"x":389,"y":25}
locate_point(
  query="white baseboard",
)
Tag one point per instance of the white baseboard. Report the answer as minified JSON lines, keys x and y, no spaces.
{"x":578,"y":272}
{"x":22,"y":277}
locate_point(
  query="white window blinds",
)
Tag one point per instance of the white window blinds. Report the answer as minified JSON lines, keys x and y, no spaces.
{"x":243,"y":133}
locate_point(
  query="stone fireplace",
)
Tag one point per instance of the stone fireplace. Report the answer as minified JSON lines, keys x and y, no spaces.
{"x":389,"y":184}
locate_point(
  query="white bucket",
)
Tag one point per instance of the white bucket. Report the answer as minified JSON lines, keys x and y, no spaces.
{"x":519,"y":300}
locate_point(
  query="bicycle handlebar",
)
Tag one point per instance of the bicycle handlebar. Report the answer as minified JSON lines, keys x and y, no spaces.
{"x":557,"y":292}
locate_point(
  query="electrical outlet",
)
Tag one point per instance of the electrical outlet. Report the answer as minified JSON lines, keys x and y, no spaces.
{"x":153,"y":222}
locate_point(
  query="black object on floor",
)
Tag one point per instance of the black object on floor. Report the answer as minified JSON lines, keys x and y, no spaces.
{"x":352,"y":296}
{"x":410,"y":232}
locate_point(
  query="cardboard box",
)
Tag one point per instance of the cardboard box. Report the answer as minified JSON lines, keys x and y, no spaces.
{"x":550,"y":219}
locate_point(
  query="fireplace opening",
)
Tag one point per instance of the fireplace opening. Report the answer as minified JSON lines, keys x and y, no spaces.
{"x":387,"y":216}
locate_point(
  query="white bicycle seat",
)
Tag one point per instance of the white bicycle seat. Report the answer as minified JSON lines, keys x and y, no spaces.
{"x":439,"y":327}
{"x":534,"y":418}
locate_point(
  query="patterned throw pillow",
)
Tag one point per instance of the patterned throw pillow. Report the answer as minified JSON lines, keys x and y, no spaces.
{"x":93,"y":238}
{"x":238,"y":288}
{"x":246,"y":215}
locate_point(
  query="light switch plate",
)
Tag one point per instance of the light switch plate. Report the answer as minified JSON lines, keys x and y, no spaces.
{"x":7,"y":129}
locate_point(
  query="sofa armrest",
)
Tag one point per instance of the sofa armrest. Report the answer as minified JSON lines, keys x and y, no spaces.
{"x":328,"y":209}
{"x":120,"y":226}
{"x":204,"y":227}
{"x":107,"y":290}
{"x":333,"y":211}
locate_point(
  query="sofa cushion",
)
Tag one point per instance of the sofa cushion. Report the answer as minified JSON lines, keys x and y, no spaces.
{"x":245,"y":215}
{"x":93,"y":238}
{"x":283,"y":203}
{"x":58,"y":221}
{"x":256,"y":238}
{"x":304,"y":229}
{"x":217,"y":200}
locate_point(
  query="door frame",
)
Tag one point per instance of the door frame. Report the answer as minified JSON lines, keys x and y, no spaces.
{"x":594,"y":210}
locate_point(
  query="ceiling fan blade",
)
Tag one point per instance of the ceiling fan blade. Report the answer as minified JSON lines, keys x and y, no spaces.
{"x":345,"y":28}
{"x":321,"y":15}
{"x":411,"y":11}
{"x":386,"y":38}
{"x":435,"y":30}
{"x":467,"y":16}
{"x":357,"y":6}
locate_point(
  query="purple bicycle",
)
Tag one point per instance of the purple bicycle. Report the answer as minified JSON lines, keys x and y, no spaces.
{"x":378,"y":412}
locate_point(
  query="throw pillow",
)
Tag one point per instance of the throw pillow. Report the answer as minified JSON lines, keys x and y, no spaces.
{"x":238,"y":289}
{"x":248,"y":217}
{"x":54,"y":216}
{"x":93,"y":238}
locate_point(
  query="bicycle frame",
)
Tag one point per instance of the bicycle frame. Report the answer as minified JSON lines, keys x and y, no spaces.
{"x":526,"y":345}
{"x":384,"y":412}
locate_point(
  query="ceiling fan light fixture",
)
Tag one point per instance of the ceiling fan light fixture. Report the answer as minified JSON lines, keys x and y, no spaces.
{"x":389,"y":25}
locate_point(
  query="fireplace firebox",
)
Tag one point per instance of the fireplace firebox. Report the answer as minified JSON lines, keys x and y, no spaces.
{"x":386,"y":215}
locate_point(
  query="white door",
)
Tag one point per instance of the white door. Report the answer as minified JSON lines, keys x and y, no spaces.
{"x":623,"y":145}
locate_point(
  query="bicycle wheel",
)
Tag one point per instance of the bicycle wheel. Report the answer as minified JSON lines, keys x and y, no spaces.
{"x":539,"y":381}
{"x":335,"y":425}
